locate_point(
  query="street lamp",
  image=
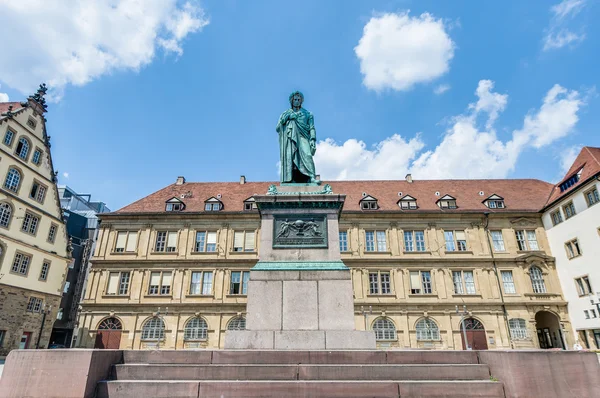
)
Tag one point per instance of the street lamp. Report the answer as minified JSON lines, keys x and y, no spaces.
{"x":366,"y":314}
{"x":462,"y":322}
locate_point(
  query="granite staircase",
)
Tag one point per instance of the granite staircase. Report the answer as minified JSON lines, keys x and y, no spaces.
{"x":231,"y":373}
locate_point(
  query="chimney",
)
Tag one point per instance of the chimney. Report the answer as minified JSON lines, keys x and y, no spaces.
{"x":409,"y":178}
{"x":242,"y":180}
{"x":180,"y":180}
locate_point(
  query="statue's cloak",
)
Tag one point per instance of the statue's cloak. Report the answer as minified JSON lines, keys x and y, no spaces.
{"x":294,"y":143}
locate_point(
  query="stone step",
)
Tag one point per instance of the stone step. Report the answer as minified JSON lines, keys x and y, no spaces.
{"x":296,"y":357}
{"x":280,"y":389}
{"x":300,"y":372}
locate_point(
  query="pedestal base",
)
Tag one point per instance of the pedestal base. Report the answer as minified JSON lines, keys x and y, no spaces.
{"x":300,"y":340}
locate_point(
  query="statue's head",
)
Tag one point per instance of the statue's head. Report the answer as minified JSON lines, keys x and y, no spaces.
{"x":296,"y":99}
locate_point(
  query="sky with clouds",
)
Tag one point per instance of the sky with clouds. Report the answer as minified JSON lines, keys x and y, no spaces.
{"x":143,"y":91}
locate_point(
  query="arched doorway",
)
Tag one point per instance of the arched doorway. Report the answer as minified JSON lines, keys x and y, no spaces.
{"x":109,"y":334}
{"x":548,"y":330}
{"x":475,"y":333}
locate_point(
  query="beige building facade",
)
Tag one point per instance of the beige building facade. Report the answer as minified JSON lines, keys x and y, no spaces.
{"x":432,"y":262}
{"x":33,"y":244}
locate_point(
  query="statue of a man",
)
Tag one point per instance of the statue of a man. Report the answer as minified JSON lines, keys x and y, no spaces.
{"x":297,"y":142}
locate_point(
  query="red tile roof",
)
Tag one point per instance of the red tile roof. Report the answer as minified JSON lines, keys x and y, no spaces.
{"x":588,"y":161}
{"x":527,"y":195}
{"x":4,"y":106}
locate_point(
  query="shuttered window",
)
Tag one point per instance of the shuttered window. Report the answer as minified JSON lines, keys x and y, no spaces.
{"x":244,"y":241}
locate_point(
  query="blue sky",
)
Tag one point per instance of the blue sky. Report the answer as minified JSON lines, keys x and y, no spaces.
{"x":144,"y":92}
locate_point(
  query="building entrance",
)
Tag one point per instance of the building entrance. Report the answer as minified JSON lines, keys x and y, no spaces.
{"x":109,"y":334}
{"x":475,"y":333}
{"x":548,"y":330}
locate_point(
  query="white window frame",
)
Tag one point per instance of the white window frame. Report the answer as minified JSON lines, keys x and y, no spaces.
{"x":526,"y":240}
{"x":537,"y":280}
{"x":425,"y":282}
{"x":21,"y":263}
{"x":385,"y":330}
{"x":153,"y":330}
{"x":6,"y":212}
{"x":569,"y":210}
{"x":591,"y":196}
{"x":455,"y":244}
{"x":205,"y":283}
{"x":122,"y":282}
{"x":10,"y":137}
{"x":52,"y":232}
{"x":462,"y":284}
{"x":556,"y":217}
{"x":343,"y":239}
{"x":243,"y":283}
{"x":130,"y":236}
{"x":584,"y":287}
{"x":23,"y":143}
{"x":38,"y":191}
{"x":162,"y":245}
{"x":379,"y":241}
{"x":35,"y":304}
{"x":203,"y":245}
{"x":518,"y":328}
{"x":427,"y":330}
{"x":196,"y":329}
{"x":241,"y":243}
{"x":30,"y":223}
{"x":162,"y":289}
{"x":369,"y":205}
{"x":38,"y":152}
{"x":12,"y":182}
{"x":44,"y":270}
{"x":508,"y":284}
{"x":573,"y":249}
{"x":498,"y":241}
{"x":380,"y":283}
{"x":413,"y":243}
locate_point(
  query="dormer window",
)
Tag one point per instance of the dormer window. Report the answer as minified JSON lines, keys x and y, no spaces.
{"x":494,"y":202}
{"x":408,"y":203}
{"x":213,"y":204}
{"x":368,"y":203}
{"x":174,"y":204}
{"x":250,"y":204}
{"x":569,"y":182}
{"x":447,"y":202}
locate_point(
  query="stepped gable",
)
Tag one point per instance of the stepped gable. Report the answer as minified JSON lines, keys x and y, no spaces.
{"x":5,"y":105}
{"x":525,"y":195}
{"x":588,"y":162}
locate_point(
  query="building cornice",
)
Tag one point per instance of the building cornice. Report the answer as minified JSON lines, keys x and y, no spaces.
{"x":38,"y":209}
{"x":57,"y":295}
{"x":48,"y":253}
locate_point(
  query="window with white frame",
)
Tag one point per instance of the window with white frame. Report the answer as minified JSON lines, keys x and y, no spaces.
{"x":206,"y":241}
{"x":244,"y":241}
{"x":384,"y":330}
{"x":584,"y":287}
{"x":126,"y":241}
{"x":494,"y":202}
{"x":586,"y":313}
{"x":556,"y":217}
{"x":66,"y":287}
{"x":8,"y":137}
{"x":526,"y":240}
{"x":408,"y":203}
{"x":592,"y":197}
{"x":52,"y":232}
{"x":518,"y":328}
{"x":537,"y":280}
{"x":573,"y":249}
{"x":368,"y":203}
{"x":593,"y":313}
{"x":420,"y":282}
{"x":569,"y":210}
{"x":5,"y":214}
{"x":160,"y":283}
{"x":508,"y":282}
{"x":239,"y":282}
{"x":166,"y":241}
{"x":250,"y":204}
{"x":22,"y":149}
{"x":238,"y":323}
{"x":30,"y":223}
{"x":213,"y":204}
{"x":464,"y":282}
{"x":118,"y":283}
{"x":201,"y":282}
{"x":153,"y":329}
{"x":427,"y":330}
{"x":379,"y":283}
{"x":13,"y":179}
{"x":375,"y":241}
{"x":447,"y":202}
{"x":38,"y":192}
{"x":37,"y":156}
{"x":498,"y":241}
{"x":44,"y":270}
{"x":414,"y":241}
{"x":21,"y":263}
{"x":35,"y":304}
{"x":195,"y":329}
{"x":343,"y":241}
{"x":455,"y":241}
{"x":174,"y":207}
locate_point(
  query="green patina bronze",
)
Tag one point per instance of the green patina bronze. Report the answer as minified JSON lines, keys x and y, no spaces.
{"x":300,"y":266}
{"x":326,"y":190}
{"x":299,"y":231}
{"x":297,"y":142}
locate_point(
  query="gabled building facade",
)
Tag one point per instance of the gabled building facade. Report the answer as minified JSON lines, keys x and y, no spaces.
{"x":425,"y":274}
{"x":572,"y":221}
{"x":33,"y":242}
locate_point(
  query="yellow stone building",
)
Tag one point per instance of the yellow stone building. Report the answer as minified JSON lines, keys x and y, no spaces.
{"x":432,"y":263}
{"x":33,"y":241}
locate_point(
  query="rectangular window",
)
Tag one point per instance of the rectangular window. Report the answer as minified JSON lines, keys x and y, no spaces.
{"x":201,"y":282}
{"x":66,"y":287}
{"x":583,"y":286}
{"x":343,"y":241}
{"x":375,"y":241}
{"x":498,"y":241}
{"x":38,"y":192}
{"x":118,"y":283}
{"x":37,"y":156}
{"x":569,"y":210}
{"x":379,"y":283}
{"x":243,"y":241}
{"x":373,"y":283}
{"x":35,"y":304}
{"x":508,"y":282}
{"x":124,"y":283}
{"x":572,"y":248}
{"x":455,"y":241}
{"x":556,"y":217}
{"x":52,"y":233}
{"x":8,"y":137}
{"x":160,"y":283}
{"x":21,"y":263}
{"x":464,"y":283}
{"x":206,"y":241}
{"x":593,"y":313}
{"x":126,"y":241}
{"x":239,"y":282}
{"x":414,"y":241}
{"x":166,"y":241}
{"x":526,"y":240}
{"x":592,"y":197}
{"x":587,"y":314}
{"x":44,"y":271}
{"x":30,"y":223}
{"x":420,"y":282}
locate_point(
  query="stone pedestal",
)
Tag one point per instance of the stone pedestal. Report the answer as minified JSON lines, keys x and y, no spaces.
{"x":300,"y":292}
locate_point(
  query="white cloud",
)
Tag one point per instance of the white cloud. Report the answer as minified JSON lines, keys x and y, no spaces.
{"x":466,"y":151}
{"x":75,"y":42}
{"x":557,"y":34}
{"x":441,"y":89}
{"x":3,"y":96}
{"x":66,"y":175}
{"x":567,"y":157}
{"x":398,"y":51}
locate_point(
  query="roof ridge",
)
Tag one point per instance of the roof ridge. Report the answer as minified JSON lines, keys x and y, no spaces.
{"x":587,"y":148}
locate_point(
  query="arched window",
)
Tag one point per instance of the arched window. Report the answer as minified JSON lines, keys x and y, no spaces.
{"x":110,"y":324}
{"x":471,"y":324}
{"x":22,"y":148}
{"x":5,"y":213}
{"x":196,"y":329}
{"x":13,"y":178}
{"x":427,"y":330}
{"x":153,"y":329}
{"x":384,"y":329}
{"x":537,"y":280}
{"x":518,"y":328}
{"x":238,"y":323}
